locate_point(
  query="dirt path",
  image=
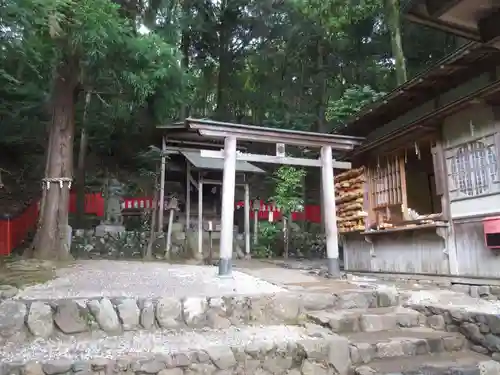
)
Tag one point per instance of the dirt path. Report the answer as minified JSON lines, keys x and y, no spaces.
{"x":21,"y":272}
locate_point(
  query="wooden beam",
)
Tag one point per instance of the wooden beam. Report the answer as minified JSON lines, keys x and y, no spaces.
{"x":271,"y":159}
{"x":162,"y":184}
{"x":188,"y":197}
{"x":424,"y":19}
{"x":200,"y":218}
{"x":436,"y":8}
{"x":488,"y":26}
{"x":296,"y":141}
{"x":247,"y":221}
{"x":431,"y":117}
{"x":219,"y":183}
{"x":186,"y":146}
{"x":217,"y":129}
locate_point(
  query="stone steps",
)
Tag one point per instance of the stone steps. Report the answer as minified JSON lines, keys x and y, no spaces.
{"x":299,"y":333}
{"x":368,"y":320}
{"x":465,"y":362}
{"x":27,"y":319}
{"x":394,"y":337}
{"x":266,"y":350}
{"x":406,"y":342}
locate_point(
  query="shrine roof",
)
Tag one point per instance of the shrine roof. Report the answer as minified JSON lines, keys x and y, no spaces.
{"x":205,"y":163}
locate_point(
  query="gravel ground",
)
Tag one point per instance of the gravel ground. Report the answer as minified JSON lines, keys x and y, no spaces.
{"x":142,"y":343}
{"x":144,"y":279}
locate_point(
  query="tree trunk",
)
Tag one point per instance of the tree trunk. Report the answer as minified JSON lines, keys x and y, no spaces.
{"x":321,"y":88}
{"x":286,"y":236}
{"x":80,"y":170}
{"x":29,"y":252}
{"x":223,"y":112}
{"x":185,"y":44}
{"x":394,"y":24}
{"x":51,"y":239}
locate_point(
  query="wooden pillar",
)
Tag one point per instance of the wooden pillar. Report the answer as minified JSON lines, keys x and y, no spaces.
{"x":247,"y":221}
{"x":188,"y":196}
{"x":162,"y":184}
{"x":328,"y":198}
{"x":169,"y":233}
{"x":255,"y":227}
{"x":172,"y":206}
{"x":227,"y":219}
{"x":200,"y":214}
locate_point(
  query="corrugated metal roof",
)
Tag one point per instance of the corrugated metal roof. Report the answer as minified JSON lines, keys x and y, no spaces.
{"x":195,"y":158}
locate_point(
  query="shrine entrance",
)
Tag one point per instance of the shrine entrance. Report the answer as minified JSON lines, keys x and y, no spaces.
{"x":217,"y":143}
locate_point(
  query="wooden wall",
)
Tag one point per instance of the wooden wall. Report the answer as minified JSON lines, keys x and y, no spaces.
{"x":478,"y":122}
{"x":357,"y":256}
{"x":417,"y":251}
{"x":473,"y":257}
{"x":459,"y":250}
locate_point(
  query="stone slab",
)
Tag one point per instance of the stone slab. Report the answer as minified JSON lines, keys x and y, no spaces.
{"x":465,"y":362}
{"x":477,"y":319}
{"x":368,"y":346}
{"x":103,"y":229}
{"x":368,"y":320}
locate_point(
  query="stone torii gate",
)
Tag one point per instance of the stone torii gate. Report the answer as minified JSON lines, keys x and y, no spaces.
{"x":194,"y":129}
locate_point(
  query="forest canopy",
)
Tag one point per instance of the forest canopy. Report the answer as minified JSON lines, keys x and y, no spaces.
{"x":97,"y":76}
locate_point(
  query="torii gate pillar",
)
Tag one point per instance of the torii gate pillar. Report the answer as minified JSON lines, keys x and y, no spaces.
{"x":227,"y":220}
{"x":330,"y":215}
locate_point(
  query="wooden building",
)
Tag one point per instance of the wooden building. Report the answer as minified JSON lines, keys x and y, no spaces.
{"x":432,"y":172}
{"x":475,"y":20}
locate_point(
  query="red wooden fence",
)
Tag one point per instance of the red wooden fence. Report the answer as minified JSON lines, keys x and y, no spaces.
{"x":13,"y":230}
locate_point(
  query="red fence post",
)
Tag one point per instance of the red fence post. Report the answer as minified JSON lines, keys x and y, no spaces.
{"x":9,"y":236}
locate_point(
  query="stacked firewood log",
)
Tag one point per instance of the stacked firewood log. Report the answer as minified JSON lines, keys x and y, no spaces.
{"x":349,"y":199}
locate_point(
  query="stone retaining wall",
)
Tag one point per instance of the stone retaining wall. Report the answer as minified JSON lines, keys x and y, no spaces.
{"x":129,"y":245}
{"x":20,"y":319}
{"x":487,"y":292}
{"x":480,"y":326}
{"x":305,"y":357}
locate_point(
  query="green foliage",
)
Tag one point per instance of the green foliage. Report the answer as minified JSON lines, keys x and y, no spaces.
{"x":353,"y":100}
{"x":310,"y":242}
{"x":149,"y":64}
{"x":346,"y":13}
{"x":148,"y":164}
{"x":288,"y":189}
{"x":268,"y":237}
{"x":285,"y":64}
{"x":136,"y":79}
{"x":84,"y":28}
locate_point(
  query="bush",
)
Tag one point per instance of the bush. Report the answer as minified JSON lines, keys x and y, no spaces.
{"x":308,"y":243}
{"x":268,"y":237}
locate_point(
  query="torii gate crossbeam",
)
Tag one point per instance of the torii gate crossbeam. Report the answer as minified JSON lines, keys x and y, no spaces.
{"x":231,"y":133}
